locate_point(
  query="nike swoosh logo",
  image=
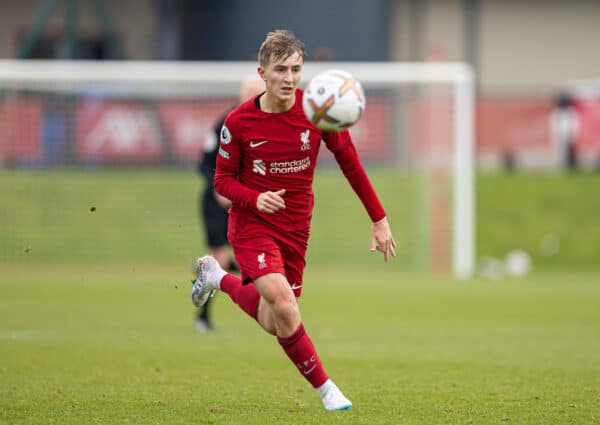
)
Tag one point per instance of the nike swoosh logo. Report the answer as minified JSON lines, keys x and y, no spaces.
{"x":257,"y":144}
{"x":306,"y":372}
{"x":296,"y":286}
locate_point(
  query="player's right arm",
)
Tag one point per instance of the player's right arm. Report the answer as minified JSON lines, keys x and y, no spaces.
{"x":229,"y":160}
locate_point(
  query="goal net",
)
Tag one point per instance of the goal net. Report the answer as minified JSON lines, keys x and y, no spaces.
{"x":415,"y":137}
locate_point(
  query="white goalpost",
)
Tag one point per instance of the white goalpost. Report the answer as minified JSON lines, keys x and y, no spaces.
{"x":78,"y":113}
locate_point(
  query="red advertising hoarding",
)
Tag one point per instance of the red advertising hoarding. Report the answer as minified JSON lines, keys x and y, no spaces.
{"x":21,"y":130}
{"x":118,"y":131}
{"x":514,"y":125}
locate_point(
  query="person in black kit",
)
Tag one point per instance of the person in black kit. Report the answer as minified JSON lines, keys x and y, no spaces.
{"x":212,"y":206}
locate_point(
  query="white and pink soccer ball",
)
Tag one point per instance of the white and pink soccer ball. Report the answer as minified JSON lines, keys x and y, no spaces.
{"x":333,"y":100}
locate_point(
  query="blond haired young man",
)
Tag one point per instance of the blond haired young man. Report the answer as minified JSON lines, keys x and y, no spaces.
{"x":267,"y":156}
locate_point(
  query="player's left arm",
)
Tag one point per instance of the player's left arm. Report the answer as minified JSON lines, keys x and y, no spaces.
{"x":381,"y":235}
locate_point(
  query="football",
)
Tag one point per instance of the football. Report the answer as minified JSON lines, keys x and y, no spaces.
{"x":333,"y":100}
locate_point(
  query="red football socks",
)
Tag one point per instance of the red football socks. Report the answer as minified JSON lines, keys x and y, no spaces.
{"x":301,"y":351}
{"x":246,"y":296}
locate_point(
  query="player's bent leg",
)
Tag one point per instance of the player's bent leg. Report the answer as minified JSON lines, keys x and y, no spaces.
{"x":278,"y":308}
{"x":278,"y":313}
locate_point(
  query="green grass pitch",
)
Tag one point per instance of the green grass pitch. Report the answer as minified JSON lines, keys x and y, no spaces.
{"x":115,"y":344}
{"x":96,"y":325}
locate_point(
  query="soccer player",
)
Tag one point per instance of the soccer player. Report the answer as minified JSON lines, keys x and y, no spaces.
{"x":212,"y":206}
{"x":267,"y":156}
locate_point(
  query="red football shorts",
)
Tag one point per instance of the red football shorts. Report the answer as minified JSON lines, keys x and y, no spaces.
{"x":262,"y":251}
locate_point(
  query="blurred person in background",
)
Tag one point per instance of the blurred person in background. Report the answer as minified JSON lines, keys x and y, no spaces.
{"x":213,"y":207}
{"x":565,"y":126}
{"x":265,"y":166}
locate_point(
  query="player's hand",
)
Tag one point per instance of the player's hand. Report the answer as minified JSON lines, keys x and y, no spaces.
{"x":382,"y":239}
{"x":270,"y":202}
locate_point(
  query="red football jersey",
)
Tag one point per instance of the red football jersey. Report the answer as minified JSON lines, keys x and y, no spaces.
{"x":262,"y":151}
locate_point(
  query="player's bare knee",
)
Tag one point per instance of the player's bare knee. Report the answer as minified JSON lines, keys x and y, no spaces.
{"x":286,"y":311}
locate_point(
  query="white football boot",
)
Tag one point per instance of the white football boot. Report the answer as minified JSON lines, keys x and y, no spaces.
{"x":209,"y":274}
{"x":332,"y":397}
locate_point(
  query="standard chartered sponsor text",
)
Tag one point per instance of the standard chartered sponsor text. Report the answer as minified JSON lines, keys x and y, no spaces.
{"x":287,"y":167}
